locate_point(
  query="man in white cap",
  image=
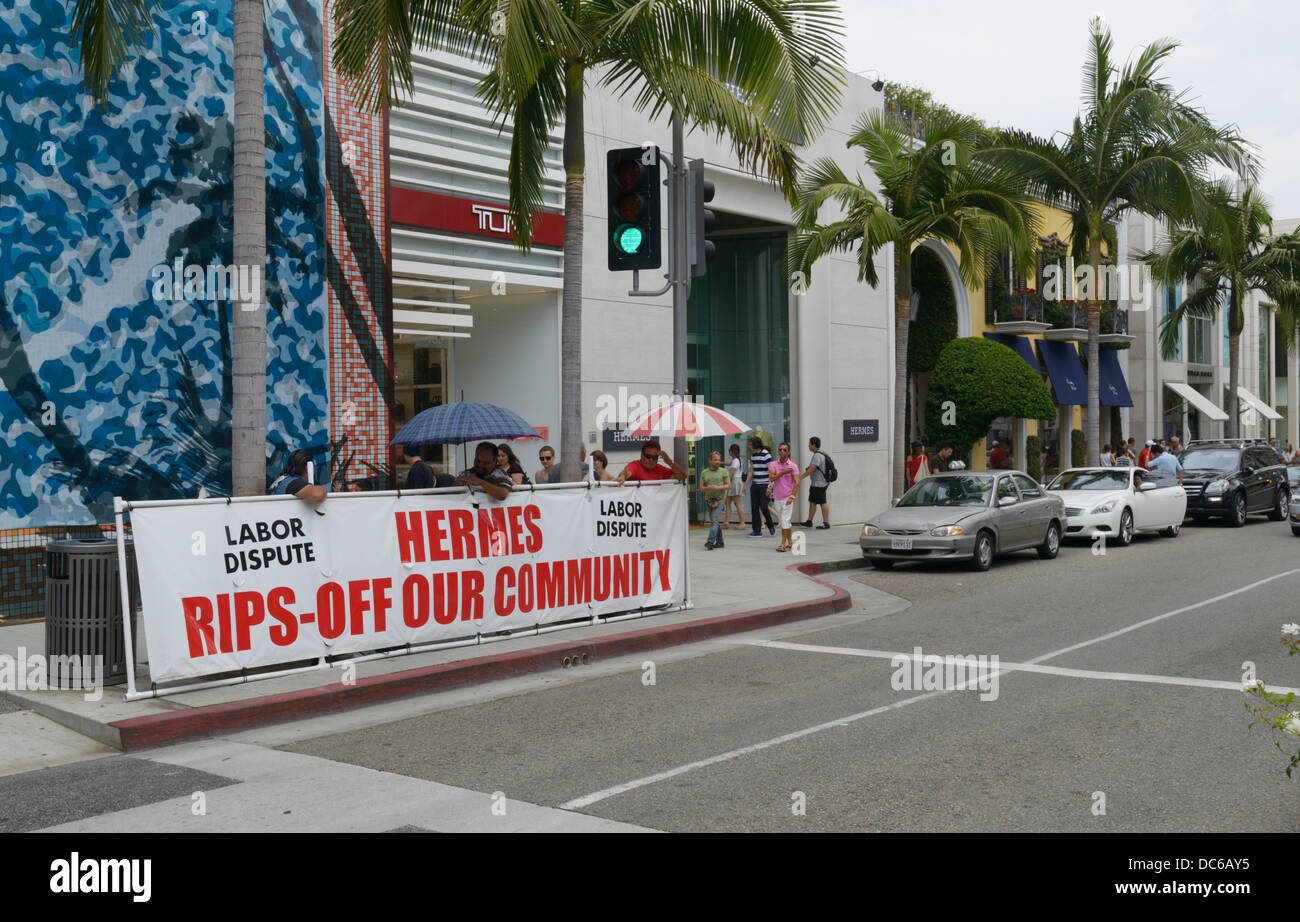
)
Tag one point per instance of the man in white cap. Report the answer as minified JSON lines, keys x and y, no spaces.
{"x":998,"y":457}
{"x":1145,"y":455}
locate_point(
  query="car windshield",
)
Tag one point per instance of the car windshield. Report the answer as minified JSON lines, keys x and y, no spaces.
{"x":1209,"y":459}
{"x":949,"y":491}
{"x":1090,"y":480}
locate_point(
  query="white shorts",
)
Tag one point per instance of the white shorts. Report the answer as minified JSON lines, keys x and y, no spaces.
{"x":787,"y":513}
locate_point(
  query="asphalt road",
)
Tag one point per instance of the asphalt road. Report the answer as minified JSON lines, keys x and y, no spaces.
{"x":728,"y":739}
{"x":1115,"y":705}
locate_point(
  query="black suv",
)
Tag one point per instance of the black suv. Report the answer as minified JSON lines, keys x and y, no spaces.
{"x":1232,"y":479}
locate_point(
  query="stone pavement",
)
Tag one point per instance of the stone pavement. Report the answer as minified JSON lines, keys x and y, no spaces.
{"x":743,"y":586}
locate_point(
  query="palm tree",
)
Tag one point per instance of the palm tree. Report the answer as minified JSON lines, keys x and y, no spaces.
{"x":107,"y":31}
{"x":1136,"y":145}
{"x":1227,"y":250}
{"x":928,"y":189}
{"x":765,"y":72}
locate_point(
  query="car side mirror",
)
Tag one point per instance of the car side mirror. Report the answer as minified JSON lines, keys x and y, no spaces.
{"x":1147,"y":485}
{"x":894,"y":501}
{"x":1247,"y":471}
{"x":1008,"y":501}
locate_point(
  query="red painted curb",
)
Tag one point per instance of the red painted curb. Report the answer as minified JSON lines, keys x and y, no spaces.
{"x":196,"y":723}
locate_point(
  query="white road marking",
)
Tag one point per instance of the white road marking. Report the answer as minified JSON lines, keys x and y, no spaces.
{"x":1030,"y":666}
{"x":589,"y":799}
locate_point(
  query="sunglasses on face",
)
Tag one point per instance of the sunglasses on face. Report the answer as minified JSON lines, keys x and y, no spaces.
{"x":545,"y":457}
{"x":649,"y":457}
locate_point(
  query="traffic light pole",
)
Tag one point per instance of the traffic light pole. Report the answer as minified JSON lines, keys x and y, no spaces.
{"x":680,"y":270}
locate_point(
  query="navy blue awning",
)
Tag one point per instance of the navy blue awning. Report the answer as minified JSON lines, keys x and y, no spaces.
{"x":1114,"y":389}
{"x":1066,"y":371}
{"x":1019,"y":343}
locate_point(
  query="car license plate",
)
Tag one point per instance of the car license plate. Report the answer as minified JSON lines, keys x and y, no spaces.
{"x":900,"y":544}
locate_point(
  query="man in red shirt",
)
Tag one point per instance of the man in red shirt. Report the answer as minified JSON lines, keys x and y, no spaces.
{"x":647,"y":467}
{"x":1145,"y":454}
{"x":998,"y":457}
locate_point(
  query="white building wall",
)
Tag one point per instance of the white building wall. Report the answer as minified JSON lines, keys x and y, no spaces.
{"x":840,"y":354}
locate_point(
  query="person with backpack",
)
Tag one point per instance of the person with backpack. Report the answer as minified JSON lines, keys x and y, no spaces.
{"x":823,"y":473}
{"x":293,"y":481}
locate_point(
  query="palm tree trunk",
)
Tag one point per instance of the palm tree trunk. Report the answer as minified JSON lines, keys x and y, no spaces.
{"x":248,"y":409}
{"x":571,"y":305}
{"x":1092,"y":430}
{"x":902,"y":322}
{"x":1236,"y":320}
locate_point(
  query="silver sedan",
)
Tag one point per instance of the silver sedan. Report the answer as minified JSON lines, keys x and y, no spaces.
{"x":971,"y":514}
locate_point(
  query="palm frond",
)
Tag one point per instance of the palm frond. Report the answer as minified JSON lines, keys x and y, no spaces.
{"x":107,"y":30}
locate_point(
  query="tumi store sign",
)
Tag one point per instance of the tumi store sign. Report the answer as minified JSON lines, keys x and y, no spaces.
{"x":418,"y":208}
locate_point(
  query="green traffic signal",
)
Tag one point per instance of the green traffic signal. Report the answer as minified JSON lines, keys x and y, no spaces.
{"x":628,"y":239}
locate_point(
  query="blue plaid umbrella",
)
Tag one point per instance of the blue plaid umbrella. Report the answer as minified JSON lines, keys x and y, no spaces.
{"x":455,"y":423}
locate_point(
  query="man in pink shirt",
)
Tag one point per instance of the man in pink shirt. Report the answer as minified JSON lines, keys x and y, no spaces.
{"x":783,"y":477}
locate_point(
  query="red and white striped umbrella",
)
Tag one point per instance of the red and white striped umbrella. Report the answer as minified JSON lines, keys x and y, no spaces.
{"x":686,"y":420}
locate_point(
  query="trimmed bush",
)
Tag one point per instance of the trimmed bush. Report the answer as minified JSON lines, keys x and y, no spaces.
{"x":1033,"y":450}
{"x":1078,"y":448}
{"x":983,"y":380}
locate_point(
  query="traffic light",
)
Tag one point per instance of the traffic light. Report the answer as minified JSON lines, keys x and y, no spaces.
{"x":700,"y":220}
{"x":633,"y":209}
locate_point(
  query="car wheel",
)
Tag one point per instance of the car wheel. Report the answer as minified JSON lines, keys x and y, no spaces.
{"x":982,"y":559}
{"x":881,"y":563}
{"x":1279,"y":510}
{"x":1124,"y":537}
{"x":1238,"y":517}
{"x":1172,"y":531}
{"x":1051,"y":543}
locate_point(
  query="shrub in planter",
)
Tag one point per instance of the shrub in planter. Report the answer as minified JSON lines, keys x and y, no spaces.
{"x":1033,"y":451}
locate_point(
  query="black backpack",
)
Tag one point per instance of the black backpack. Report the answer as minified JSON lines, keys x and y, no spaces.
{"x":831,"y":473}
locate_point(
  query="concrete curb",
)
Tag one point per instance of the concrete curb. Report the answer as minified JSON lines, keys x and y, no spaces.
{"x":151,"y":730}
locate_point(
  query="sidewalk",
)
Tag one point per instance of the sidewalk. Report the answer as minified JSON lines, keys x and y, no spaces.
{"x":744,"y":586}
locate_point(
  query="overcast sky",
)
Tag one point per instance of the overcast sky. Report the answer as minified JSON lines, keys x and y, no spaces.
{"x":1017,"y":63}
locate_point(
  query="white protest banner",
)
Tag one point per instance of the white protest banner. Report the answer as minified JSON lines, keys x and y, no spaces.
{"x":230,"y":586}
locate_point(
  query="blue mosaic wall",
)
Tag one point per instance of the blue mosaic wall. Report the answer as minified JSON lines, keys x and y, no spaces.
{"x":108,"y":384}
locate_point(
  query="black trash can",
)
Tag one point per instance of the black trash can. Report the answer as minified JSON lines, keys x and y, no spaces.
{"x":83,"y":608}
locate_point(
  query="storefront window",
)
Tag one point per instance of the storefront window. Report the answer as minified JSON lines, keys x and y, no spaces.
{"x":738,"y":345}
{"x":420,"y":382}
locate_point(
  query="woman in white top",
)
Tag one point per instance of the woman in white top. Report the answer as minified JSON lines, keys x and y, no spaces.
{"x":735,"y":490}
{"x":1106,"y":458}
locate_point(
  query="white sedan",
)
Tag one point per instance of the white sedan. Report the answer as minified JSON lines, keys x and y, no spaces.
{"x":1117,"y":502}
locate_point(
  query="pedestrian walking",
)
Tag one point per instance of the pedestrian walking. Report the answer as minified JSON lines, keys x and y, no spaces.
{"x":1145,"y":455}
{"x":756,"y":479}
{"x":735,"y":469}
{"x":817,"y":485}
{"x":784,"y":476}
{"x":715,"y":480}
{"x":1106,"y":459}
{"x":918,"y":466}
{"x":998,"y":457}
{"x":1289,"y":455}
